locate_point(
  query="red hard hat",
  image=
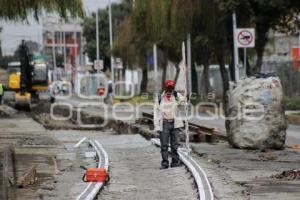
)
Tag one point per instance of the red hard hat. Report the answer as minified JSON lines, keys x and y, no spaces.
{"x":170,"y":83}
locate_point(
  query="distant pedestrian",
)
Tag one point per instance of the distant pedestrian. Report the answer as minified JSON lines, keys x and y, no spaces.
{"x":1,"y":92}
{"x":167,"y":123}
{"x":109,"y":97}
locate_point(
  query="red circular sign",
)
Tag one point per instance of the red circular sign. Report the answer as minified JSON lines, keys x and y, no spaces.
{"x":245,"y":37}
{"x":101,"y":91}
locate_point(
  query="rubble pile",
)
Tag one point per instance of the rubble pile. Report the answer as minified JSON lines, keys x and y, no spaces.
{"x":288,"y":175}
{"x":256,"y":114}
{"x":6,"y":111}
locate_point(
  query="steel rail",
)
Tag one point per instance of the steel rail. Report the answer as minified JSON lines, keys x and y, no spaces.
{"x":93,"y":188}
{"x":203,"y":185}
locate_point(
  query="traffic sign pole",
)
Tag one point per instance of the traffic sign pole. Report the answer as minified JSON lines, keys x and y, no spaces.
{"x":245,"y":38}
{"x":245,"y":62}
{"x":97,"y":35}
{"x":235,"y":49}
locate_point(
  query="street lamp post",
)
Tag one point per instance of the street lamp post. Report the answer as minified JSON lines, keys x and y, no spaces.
{"x":97,"y":35}
{"x":298,"y":20}
{"x":54,"y":53}
{"x":111,"y":45}
{"x":65,"y":49}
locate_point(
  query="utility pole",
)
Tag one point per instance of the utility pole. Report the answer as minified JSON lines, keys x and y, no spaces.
{"x":53,"y":52}
{"x":82,"y":63}
{"x":65,"y":49}
{"x":186,"y":104}
{"x":189,"y":64}
{"x":235,"y":49}
{"x":111,"y":46}
{"x":97,"y":34}
{"x":298,"y":19}
{"x":75,"y":48}
{"x":155,"y":69}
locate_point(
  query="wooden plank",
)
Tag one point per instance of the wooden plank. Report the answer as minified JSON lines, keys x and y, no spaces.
{"x":28,"y":178}
{"x":205,"y":134}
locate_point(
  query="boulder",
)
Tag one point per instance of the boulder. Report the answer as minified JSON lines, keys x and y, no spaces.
{"x":256,"y":114}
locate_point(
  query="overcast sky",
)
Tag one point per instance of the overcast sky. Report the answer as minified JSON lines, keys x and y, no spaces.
{"x":13,"y":32}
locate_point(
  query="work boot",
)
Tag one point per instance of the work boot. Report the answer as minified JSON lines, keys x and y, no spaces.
{"x":164,"y":164}
{"x":177,"y":164}
{"x":164,"y":167}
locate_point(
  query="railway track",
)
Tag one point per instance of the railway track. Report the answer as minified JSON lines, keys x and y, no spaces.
{"x":201,"y":133}
{"x":203,"y":185}
{"x":3,"y":175}
{"x":92,"y":189}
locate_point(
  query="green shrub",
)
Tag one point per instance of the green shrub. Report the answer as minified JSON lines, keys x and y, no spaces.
{"x":293,"y":104}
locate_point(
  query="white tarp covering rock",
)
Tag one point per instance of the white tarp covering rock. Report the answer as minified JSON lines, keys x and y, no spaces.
{"x":256,"y":114}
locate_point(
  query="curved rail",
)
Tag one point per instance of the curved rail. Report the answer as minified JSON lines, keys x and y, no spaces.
{"x":93,"y":188}
{"x":203,"y":185}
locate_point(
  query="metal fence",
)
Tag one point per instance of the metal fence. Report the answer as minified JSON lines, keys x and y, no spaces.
{"x":288,"y":74}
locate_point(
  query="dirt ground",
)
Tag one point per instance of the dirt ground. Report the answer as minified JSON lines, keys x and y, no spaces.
{"x":243,"y":174}
{"x":134,"y":161}
{"x":234,"y":174}
{"x":251,"y":173}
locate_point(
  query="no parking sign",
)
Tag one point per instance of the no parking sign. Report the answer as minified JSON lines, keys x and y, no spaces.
{"x":245,"y":37}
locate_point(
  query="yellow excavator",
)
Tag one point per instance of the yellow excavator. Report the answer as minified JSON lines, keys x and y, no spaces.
{"x":28,"y":79}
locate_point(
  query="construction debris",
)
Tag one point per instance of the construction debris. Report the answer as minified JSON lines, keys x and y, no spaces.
{"x":288,"y":175}
{"x":6,"y":111}
{"x":28,"y":178}
{"x":268,"y":156}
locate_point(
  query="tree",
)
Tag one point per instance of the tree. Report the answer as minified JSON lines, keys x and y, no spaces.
{"x":209,"y":22}
{"x":119,"y":12}
{"x":20,"y":9}
{"x":278,"y":15}
{"x":148,"y":23}
{"x":89,"y":32}
{"x":132,"y":42}
{"x":167,"y":23}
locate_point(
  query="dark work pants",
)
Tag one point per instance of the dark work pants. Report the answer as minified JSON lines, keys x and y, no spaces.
{"x":1,"y":99}
{"x":169,"y":135}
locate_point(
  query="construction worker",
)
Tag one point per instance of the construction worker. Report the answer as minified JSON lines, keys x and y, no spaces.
{"x":1,"y":92}
{"x":167,"y":123}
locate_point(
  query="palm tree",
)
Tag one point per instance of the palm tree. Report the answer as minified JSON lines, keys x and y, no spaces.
{"x":20,"y":9}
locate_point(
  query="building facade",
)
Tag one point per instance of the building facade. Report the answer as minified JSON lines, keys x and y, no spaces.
{"x":63,"y":42}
